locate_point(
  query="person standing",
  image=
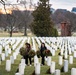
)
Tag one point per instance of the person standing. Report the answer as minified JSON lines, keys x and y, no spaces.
{"x":42,"y":48}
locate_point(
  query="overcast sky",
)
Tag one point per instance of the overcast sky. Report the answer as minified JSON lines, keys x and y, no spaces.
{"x":56,"y":4}
{"x":64,"y":4}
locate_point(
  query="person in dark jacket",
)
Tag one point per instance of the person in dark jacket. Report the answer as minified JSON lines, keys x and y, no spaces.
{"x":43,"y":47}
{"x":27,"y":48}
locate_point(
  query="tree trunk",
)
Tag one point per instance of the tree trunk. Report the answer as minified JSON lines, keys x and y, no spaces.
{"x":25,"y":28}
{"x":5,"y":29}
{"x":11,"y":32}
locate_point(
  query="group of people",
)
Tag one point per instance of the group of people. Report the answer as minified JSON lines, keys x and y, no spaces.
{"x":28,"y":48}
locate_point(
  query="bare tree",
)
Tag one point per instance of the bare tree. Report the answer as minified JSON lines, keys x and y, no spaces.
{"x":26,"y":16}
{"x":9,"y":20}
{"x":14,"y":20}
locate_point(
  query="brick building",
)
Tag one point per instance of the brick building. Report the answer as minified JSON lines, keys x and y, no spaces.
{"x":65,"y":29}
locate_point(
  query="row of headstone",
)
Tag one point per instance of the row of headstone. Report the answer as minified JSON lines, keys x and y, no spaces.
{"x":28,"y":40}
{"x":16,"y":44}
{"x":61,"y":60}
{"x":33,"y":44}
{"x":18,"y":48}
{"x":11,"y":61}
{"x":54,"y":47}
{"x":50,"y":63}
{"x":6,"y":41}
{"x":38,"y":42}
{"x":6,"y":53}
{"x":66,"y":62}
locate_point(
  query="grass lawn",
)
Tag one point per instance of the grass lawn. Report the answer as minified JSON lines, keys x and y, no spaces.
{"x":19,"y":34}
{"x":5,"y":34}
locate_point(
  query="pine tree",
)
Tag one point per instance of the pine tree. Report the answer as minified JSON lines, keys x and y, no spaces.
{"x":42,"y":24}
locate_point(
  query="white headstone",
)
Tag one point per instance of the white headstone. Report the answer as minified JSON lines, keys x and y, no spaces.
{"x":35,"y":60}
{"x":9,"y":50}
{"x":75,"y":47}
{"x":3,"y":56}
{"x":8,"y":65}
{"x":53,"y":52}
{"x":0,"y":49}
{"x":57,"y":72}
{"x":74,"y":54}
{"x":17,"y":74}
{"x":14,"y":55}
{"x":65,"y":65}
{"x":6,"y":53}
{"x":73,"y":71}
{"x":12,"y":59}
{"x":37,"y":69}
{"x":52,"y":67}
{"x":46,"y":59}
{"x":21,"y":69}
{"x":60,"y":60}
{"x":61,"y":51}
{"x":23,"y":62}
{"x":70,"y":51}
{"x":71,"y":59}
{"x":65,"y":55}
{"x":49,"y":61}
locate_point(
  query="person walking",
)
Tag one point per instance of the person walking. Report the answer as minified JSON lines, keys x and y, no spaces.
{"x":26,"y":57}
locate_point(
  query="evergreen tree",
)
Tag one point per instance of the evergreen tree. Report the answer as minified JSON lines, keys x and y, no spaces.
{"x":42,"y":24}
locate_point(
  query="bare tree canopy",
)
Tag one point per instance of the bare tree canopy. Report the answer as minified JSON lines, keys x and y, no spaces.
{"x":16,"y":19}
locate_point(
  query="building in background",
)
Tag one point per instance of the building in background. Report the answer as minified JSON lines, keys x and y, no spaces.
{"x":65,"y":29}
